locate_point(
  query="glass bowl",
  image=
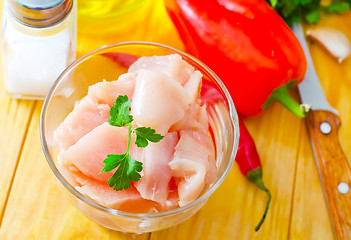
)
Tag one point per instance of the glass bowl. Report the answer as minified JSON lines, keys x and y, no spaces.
{"x":94,"y":67}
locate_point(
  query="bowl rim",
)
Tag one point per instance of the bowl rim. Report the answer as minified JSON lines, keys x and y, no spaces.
{"x":232,"y":113}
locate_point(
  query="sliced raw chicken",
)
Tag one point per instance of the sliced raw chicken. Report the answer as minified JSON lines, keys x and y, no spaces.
{"x":72,"y":175}
{"x":128,"y":200}
{"x":192,"y":162}
{"x":172,"y":199}
{"x":165,"y":92}
{"x":173,"y":65}
{"x":90,"y":151}
{"x":195,"y":118}
{"x":211,"y":174}
{"x":107,"y":92}
{"x":86,"y":115}
{"x":158,"y":102}
{"x":154,"y":183}
{"x":193,"y":86}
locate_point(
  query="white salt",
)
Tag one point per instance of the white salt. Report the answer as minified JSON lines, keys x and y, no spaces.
{"x":33,"y":59}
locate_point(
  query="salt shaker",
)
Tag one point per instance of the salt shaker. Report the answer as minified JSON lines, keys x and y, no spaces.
{"x":38,"y":42}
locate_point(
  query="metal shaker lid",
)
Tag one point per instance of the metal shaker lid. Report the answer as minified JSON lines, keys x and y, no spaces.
{"x":40,"y":13}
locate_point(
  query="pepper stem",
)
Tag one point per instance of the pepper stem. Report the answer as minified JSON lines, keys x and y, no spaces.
{"x":281,"y":95}
{"x":255,"y":176}
{"x":267,"y":205}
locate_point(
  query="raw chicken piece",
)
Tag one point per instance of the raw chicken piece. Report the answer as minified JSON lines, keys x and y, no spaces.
{"x":72,"y":175}
{"x":128,"y":200}
{"x":173,"y":65}
{"x":172,"y":199}
{"x":195,"y":118}
{"x":193,"y":86}
{"x":86,"y":115}
{"x":192,"y":162}
{"x":107,"y":92}
{"x":90,"y":151}
{"x":158,"y":101}
{"x":153,"y":184}
{"x":211,"y":174}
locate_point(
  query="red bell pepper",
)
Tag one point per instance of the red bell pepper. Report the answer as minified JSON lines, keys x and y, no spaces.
{"x":247,"y":44}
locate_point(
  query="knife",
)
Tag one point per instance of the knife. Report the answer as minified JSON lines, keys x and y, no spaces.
{"x":323,"y":124}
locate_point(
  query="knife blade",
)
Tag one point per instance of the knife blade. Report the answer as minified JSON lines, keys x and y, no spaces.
{"x":333,"y":167}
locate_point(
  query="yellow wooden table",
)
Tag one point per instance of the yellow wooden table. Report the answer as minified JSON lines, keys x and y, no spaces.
{"x":32,"y":206}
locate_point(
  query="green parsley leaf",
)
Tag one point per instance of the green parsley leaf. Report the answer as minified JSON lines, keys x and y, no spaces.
{"x":273,"y":3}
{"x":313,"y":16}
{"x":285,"y":8}
{"x":127,"y":168}
{"x":296,"y":10}
{"x":111,"y":162}
{"x":302,"y":2}
{"x":144,"y":134}
{"x":337,"y":7}
{"x":127,"y":171}
{"x":120,"y":112}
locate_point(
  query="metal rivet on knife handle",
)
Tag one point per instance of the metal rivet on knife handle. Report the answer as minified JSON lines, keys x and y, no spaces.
{"x":343,"y":188}
{"x":306,"y":108}
{"x":325,"y":128}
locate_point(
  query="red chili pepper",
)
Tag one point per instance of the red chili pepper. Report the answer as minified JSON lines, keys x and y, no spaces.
{"x":247,"y":156}
{"x":247,"y":44}
{"x":250,"y":164}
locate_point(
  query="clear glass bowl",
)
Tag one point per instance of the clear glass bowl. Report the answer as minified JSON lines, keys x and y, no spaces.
{"x":93,"y":67}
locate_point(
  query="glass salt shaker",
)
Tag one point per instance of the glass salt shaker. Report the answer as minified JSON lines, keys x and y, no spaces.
{"x":38,"y":43}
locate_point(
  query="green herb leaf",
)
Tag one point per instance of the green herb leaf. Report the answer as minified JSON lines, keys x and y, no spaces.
{"x":313,"y":16}
{"x":296,"y":10}
{"x":111,"y":162}
{"x":274,"y":3}
{"x":128,"y":168}
{"x":120,"y":112}
{"x":337,"y":7}
{"x":285,"y":8}
{"x":127,"y":171}
{"x":144,"y":134}
{"x":302,"y":2}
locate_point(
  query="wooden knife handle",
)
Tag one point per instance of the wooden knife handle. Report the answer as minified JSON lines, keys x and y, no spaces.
{"x":334,"y":169}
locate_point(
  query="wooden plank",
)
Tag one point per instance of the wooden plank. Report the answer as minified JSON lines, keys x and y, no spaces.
{"x":37,"y":209}
{"x":310,"y":218}
{"x":14,"y":118}
{"x":237,"y":206}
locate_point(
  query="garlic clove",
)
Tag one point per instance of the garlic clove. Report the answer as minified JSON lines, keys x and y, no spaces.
{"x":333,"y":40}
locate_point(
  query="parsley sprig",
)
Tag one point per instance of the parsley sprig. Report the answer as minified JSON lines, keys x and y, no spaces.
{"x":309,"y":10}
{"x":128,"y":168}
